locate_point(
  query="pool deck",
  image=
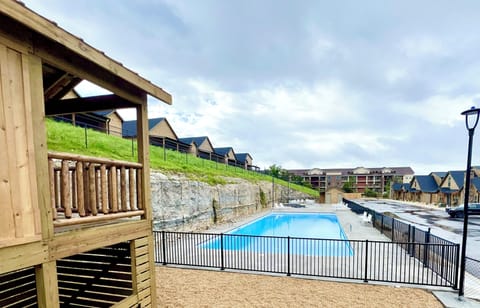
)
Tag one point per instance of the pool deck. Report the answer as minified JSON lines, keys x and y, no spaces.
{"x":357,"y":229}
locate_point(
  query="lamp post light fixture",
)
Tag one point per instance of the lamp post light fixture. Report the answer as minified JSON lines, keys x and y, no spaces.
{"x":471,"y":121}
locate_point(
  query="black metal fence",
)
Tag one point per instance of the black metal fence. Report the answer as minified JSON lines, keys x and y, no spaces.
{"x":397,"y":262}
{"x":473,"y":266}
{"x":399,"y":231}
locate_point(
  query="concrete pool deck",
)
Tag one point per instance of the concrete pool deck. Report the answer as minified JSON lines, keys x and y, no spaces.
{"x":357,"y":229}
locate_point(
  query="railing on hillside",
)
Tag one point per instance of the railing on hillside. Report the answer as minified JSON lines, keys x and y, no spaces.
{"x":346,"y":259}
{"x":430,"y":255}
{"x":163,"y":142}
{"x":88,"y":189}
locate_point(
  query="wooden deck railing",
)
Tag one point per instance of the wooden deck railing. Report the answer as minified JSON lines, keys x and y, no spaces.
{"x":88,"y":189}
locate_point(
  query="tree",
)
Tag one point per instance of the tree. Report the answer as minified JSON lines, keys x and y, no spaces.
{"x":349,"y":186}
{"x":274,"y":170}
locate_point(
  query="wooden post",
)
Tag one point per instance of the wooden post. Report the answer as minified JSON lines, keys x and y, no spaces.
{"x":47,"y":284}
{"x":113,"y":190}
{"x":98,"y":190}
{"x":46,"y":204}
{"x":80,"y":189}
{"x":123,"y":188}
{"x":86,"y":197}
{"x":73,"y":186}
{"x":51,"y":176}
{"x":66,"y":197}
{"x":91,"y":190}
{"x":131,"y":188}
{"x":139,"y":189}
{"x":144,"y":159}
{"x":104,"y":180}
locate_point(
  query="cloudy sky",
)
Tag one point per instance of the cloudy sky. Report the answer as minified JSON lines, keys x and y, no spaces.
{"x":300,"y":84}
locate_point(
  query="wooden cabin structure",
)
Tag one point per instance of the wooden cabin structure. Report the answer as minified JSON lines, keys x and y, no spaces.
{"x":74,"y":230}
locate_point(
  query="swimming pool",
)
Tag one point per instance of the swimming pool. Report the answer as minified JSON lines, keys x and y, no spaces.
{"x":317,"y":234}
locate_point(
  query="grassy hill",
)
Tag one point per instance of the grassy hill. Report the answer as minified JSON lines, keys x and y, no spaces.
{"x":63,"y":137}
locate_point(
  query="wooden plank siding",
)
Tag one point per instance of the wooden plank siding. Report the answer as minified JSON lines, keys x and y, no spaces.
{"x":142,"y":278}
{"x":20,"y":219}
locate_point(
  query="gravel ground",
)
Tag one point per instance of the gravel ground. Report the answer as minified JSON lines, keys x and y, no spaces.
{"x":178,"y":287}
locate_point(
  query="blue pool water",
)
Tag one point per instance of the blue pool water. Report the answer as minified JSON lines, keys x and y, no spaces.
{"x":317,"y":234}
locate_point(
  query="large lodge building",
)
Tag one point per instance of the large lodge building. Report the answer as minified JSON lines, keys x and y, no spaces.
{"x":375,"y":179}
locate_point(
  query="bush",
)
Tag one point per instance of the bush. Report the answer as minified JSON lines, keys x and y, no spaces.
{"x":263,"y":199}
{"x":370,"y":193}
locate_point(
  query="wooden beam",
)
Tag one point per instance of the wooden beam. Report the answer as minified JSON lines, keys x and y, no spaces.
{"x":91,"y":159}
{"x":21,"y":256}
{"x":93,"y":219}
{"x":86,"y":104}
{"x":77,"y":46}
{"x":82,"y":240}
{"x":61,"y":87}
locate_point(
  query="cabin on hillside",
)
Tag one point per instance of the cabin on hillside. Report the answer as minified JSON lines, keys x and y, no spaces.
{"x":105,"y":121}
{"x":74,"y":230}
{"x":227,"y":154}
{"x":246,"y":160}
{"x":160,"y":133}
{"x":202,"y":147}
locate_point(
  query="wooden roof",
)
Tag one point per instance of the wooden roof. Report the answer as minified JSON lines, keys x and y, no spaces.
{"x":80,"y":60}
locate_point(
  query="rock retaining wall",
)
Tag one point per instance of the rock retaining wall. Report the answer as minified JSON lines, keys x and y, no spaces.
{"x":185,"y":205}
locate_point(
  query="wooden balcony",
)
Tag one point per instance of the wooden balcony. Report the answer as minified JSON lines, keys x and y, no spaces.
{"x":88,"y":190}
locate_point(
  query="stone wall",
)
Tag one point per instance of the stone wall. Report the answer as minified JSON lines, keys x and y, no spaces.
{"x":184,"y":205}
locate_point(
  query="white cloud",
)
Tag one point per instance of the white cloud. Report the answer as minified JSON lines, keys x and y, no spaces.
{"x":395,"y":75}
{"x":423,"y":46}
{"x":306,"y":84}
{"x":438,"y":109}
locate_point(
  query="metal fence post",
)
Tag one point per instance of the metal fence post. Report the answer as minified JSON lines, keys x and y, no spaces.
{"x":393,"y":229}
{"x":164,"y":250}
{"x":366,"y":261}
{"x":408,"y":241}
{"x":413,"y":240}
{"x":381,"y":229}
{"x":457,"y":259}
{"x":86,"y":137}
{"x":222,"y":266}
{"x":288,"y":256}
{"x":425,"y":255}
{"x":443,"y":261}
{"x":133,"y":149}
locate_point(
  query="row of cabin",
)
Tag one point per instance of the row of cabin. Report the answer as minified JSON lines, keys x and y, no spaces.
{"x":443,"y":188}
{"x":161,"y":134}
{"x":75,"y":231}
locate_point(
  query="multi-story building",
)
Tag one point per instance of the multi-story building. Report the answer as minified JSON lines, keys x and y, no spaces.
{"x":359,"y":179}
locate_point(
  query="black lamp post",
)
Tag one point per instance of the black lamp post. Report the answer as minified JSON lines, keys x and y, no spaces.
{"x":471,"y":121}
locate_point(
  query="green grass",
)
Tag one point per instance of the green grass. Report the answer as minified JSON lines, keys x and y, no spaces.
{"x":63,"y":137}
